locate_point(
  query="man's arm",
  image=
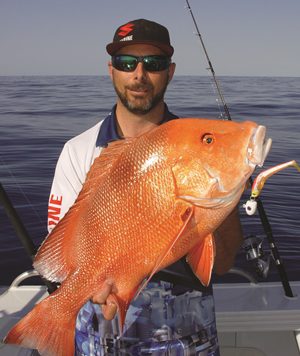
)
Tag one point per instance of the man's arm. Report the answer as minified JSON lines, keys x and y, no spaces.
{"x":228,"y":239}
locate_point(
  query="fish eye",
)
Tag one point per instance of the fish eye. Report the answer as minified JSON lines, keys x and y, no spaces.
{"x":207,"y":138}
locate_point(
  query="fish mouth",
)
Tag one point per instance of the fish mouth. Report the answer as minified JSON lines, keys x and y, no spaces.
{"x":258,"y":147}
{"x":257,"y":151}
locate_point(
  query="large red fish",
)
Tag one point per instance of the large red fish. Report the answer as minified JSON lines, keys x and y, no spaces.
{"x":146,"y":203}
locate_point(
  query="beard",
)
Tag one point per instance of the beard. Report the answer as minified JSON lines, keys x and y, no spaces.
{"x":141,"y":106}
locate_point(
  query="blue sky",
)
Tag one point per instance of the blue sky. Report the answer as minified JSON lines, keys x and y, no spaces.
{"x":242,"y":37}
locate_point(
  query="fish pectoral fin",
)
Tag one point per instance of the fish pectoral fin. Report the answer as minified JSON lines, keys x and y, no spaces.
{"x":186,"y":215}
{"x":201,"y":259}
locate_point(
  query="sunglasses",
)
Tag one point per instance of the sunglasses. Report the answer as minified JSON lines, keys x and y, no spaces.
{"x":128,"y":63}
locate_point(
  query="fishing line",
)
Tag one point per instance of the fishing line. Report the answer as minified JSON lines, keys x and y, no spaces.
{"x":262,"y":214}
{"x":6,"y":167}
{"x":212,"y":83}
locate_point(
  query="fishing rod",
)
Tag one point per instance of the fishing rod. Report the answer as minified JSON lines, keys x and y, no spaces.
{"x":21,"y":231}
{"x":226,"y":114}
{"x":261,"y":211}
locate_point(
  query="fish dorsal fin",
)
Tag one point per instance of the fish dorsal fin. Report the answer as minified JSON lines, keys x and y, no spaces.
{"x":55,"y":258}
{"x":201,"y":259}
{"x":107,"y":159}
{"x":186,"y":217}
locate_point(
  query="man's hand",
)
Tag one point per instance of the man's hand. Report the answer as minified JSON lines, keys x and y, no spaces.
{"x":105,"y":299}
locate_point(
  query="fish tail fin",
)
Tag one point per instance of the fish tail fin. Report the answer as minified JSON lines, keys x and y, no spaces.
{"x":49,"y":333}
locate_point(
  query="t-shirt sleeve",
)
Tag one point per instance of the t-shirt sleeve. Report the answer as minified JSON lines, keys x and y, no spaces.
{"x":66,"y":185}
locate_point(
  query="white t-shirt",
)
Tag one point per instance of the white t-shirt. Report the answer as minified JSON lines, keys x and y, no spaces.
{"x":74,"y":162}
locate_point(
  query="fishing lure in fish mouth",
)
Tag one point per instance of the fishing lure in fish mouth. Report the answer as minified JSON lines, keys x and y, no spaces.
{"x":259,"y":182}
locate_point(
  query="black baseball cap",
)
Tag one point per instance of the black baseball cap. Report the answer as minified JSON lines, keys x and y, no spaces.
{"x":141,"y":31}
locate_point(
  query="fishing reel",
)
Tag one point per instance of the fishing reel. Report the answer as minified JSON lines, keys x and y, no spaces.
{"x":255,"y":254}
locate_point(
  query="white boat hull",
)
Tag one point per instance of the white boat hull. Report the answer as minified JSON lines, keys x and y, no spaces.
{"x":258,"y":319}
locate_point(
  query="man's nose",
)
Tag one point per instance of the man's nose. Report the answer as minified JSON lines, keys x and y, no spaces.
{"x":140,"y":71}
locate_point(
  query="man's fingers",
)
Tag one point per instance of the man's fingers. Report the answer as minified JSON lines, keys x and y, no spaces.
{"x":109,"y":309}
{"x":101,"y":296}
{"x":106,"y":300}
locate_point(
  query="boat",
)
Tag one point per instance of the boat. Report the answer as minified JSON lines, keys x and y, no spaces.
{"x":253,"y":319}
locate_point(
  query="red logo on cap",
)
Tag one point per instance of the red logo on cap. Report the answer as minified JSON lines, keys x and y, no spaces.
{"x":124,"y":30}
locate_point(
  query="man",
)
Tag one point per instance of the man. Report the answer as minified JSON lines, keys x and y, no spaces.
{"x":175,"y":313}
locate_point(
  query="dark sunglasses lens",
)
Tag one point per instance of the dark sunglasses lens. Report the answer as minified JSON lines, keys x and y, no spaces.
{"x":156,"y":63}
{"x":128,"y":63}
{"x":124,"y":63}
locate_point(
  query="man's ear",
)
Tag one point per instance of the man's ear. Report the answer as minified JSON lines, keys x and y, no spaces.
{"x":110,"y":69}
{"x":171,"y":71}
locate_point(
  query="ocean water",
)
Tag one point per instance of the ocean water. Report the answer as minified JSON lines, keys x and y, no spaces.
{"x":38,"y":114}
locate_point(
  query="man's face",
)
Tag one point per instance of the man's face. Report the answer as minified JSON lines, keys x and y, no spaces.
{"x":140,"y":91}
